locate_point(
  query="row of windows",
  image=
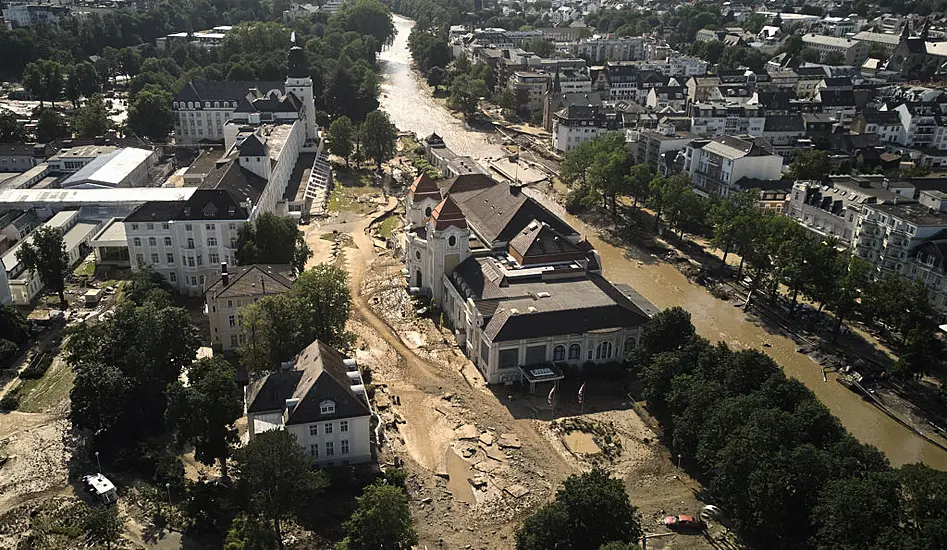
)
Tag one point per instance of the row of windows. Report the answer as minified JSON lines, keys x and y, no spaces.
{"x":189,"y":261}
{"x":328,"y":426}
{"x":330,"y":448}
{"x":187,"y":227}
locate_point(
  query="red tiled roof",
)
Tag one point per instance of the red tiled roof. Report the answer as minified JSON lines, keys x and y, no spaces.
{"x":447,"y":214}
{"x":423,"y":187}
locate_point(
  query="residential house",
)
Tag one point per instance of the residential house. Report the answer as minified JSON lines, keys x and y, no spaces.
{"x":320,"y":398}
{"x":240,"y":286}
{"x":715,"y":165}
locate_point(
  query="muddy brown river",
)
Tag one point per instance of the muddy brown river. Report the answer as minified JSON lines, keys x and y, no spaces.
{"x":409,"y":103}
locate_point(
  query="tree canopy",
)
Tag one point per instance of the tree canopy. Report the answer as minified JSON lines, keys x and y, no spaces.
{"x":381,"y":521}
{"x":272,"y":239}
{"x":45,"y":254}
{"x":378,"y":137}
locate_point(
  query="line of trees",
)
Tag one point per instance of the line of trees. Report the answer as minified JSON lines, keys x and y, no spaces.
{"x":783,"y":469}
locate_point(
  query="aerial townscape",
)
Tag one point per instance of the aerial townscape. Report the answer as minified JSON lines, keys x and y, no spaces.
{"x":473,"y":274}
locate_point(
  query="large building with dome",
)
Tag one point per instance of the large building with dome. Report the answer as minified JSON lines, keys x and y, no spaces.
{"x":523,"y":291}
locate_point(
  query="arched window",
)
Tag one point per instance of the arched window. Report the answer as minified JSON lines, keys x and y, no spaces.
{"x":575,"y":352}
{"x":558,"y":353}
{"x":327,"y":407}
{"x":604,"y":350}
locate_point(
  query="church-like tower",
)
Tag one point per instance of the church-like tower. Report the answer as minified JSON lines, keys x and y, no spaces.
{"x":299,"y":82}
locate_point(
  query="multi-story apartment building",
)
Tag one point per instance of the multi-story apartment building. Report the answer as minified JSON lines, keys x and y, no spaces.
{"x":719,"y":119}
{"x":658,"y":149}
{"x":716,"y":165}
{"x":25,"y":14}
{"x":600,"y":49}
{"x":203,"y":107}
{"x":236,"y":287}
{"x":853,"y":51}
{"x":885,"y":124}
{"x":833,"y":210}
{"x":664,"y":97}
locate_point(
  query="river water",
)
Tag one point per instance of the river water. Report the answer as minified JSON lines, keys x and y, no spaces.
{"x":409,"y":103}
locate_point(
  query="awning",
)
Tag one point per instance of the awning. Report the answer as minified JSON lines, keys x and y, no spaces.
{"x":543,"y":372}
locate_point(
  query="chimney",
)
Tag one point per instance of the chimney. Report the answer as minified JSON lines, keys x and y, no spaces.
{"x":224,"y":276}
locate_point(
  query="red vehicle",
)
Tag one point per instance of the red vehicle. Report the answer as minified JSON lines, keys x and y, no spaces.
{"x":682,"y":522}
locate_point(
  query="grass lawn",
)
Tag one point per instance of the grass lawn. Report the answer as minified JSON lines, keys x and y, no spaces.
{"x":345,"y":199}
{"x":388,"y":226}
{"x":48,"y":391}
{"x":85,"y":270}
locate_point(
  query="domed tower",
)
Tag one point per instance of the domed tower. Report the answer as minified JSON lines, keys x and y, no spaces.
{"x":299,"y":82}
{"x":448,"y":239}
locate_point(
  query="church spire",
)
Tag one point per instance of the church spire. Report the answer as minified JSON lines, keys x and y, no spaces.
{"x":556,"y":84}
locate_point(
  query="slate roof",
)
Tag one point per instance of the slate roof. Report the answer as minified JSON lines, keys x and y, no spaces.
{"x":318,"y":374}
{"x":784,"y":123}
{"x":498,"y":211}
{"x":538,"y":241}
{"x":448,"y":214}
{"x":837,"y":98}
{"x":881,"y":117}
{"x":253,"y":280}
{"x":224,"y":90}
{"x":204,"y":204}
{"x":229,"y":176}
{"x":424,"y":187}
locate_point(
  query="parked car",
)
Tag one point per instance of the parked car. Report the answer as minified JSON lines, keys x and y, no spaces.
{"x":100,"y":487}
{"x":682,"y":522}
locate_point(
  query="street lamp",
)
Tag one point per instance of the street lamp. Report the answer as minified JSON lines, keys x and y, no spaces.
{"x":168,"y":487}
{"x":98,"y":462}
{"x":679,"y":457}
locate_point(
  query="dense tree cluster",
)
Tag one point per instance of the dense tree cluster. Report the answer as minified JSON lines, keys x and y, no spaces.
{"x":278,"y":327}
{"x":590,"y":510}
{"x":14,"y":333}
{"x":274,"y":240}
{"x":45,"y":254}
{"x":783,"y":469}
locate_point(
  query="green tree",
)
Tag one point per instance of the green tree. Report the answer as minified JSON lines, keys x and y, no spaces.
{"x":103,"y":525}
{"x":340,"y":138}
{"x":92,"y":119}
{"x":852,"y":281}
{"x":810,"y":165}
{"x":638,"y":182}
{"x":726,"y":217}
{"x":381,"y":521}
{"x":13,"y":325}
{"x":81,"y":81}
{"x":273,"y":239}
{"x":589,"y":510}
{"x":856,"y":513}
{"x":435,"y":76}
{"x":50,"y":126}
{"x":278,"y":327}
{"x":11,"y":130}
{"x":277,"y":477}
{"x":877,"y":51}
{"x":45,"y":254}
{"x":465,"y":94}
{"x":811,"y":55}
{"x":378,"y":137}
{"x":369,"y":17}
{"x":204,"y":411}
{"x":833,"y":58}
{"x":44,"y":80}
{"x":149,"y":114}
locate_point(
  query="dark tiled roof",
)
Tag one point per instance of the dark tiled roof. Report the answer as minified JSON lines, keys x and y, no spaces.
{"x":160,"y":211}
{"x":252,"y":146}
{"x":881,"y":117}
{"x":241,"y":183}
{"x":318,"y":375}
{"x":253,"y":280}
{"x":223,"y":90}
{"x":538,"y":241}
{"x":837,"y":98}
{"x":784,"y":123}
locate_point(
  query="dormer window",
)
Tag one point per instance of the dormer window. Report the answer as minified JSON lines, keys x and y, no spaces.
{"x":327,"y":407}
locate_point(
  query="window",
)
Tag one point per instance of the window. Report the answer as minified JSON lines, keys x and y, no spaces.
{"x":137,"y":241}
{"x":190,"y":243}
{"x":417,"y":253}
{"x":327,"y":428}
{"x":313,"y":429}
{"x":214,"y":258}
{"x":193,"y":281}
{"x":134,"y":227}
{"x":165,"y":226}
{"x":604,"y":350}
{"x":209,"y":227}
{"x":629,"y":344}
{"x":170,"y":258}
{"x":211,"y":241}
{"x":314,"y":451}
{"x":229,"y":303}
{"x":344,"y":445}
{"x":575,"y":351}
{"x":344,"y":426}
{"x":234,"y":342}
{"x":327,"y":407}
{"x":154,"y":258}
{"x":152,"y":241}
{"x":330,"y":448}
{"x":508,"y":358}
{"x":535,"y":354}
{"x":200,"y":259}
{"x":452,"y":240}
{"x":188,"y":227}
{"x":167,"y":241}
{"x":174,"y":277}
{"x":232,"y":320}
{"x":427,"y":212}
{"x":139,"y":259}
{"x":558,"y":353}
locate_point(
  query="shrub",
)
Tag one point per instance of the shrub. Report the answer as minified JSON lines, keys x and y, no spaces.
{"x":37,"y":367}
{"x":10,"y":402}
